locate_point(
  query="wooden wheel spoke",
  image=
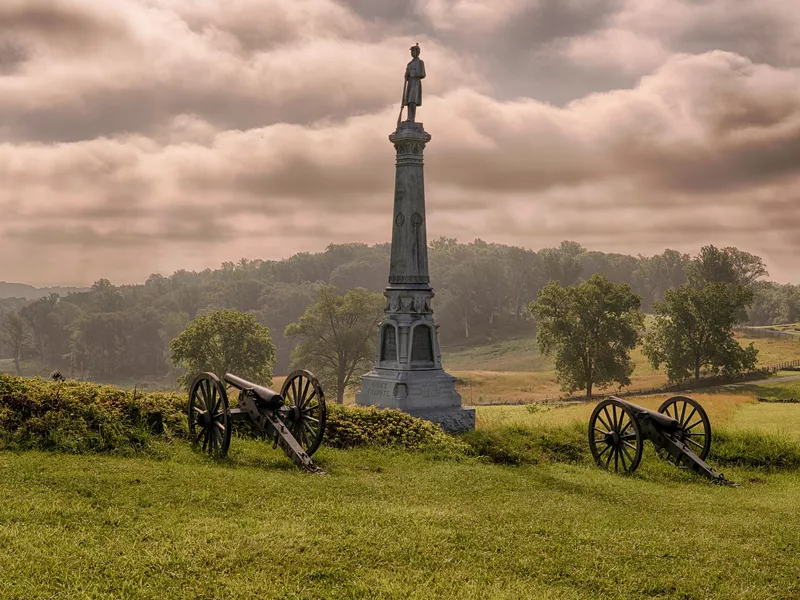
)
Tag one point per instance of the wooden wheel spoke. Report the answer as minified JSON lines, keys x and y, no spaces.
{"x":693,"y":425}
{"x":691,"y":441}
{"x":312,"y":419}
{"x":606,"y":425}
{"x":689,"y":418}
{"x":616,"y":459}
{"x":629,"y":445}
{"x":683,"y":412}
{"x":199,"y":435}
{"x":622,"y":456}
{"x":302,"y":401}
{"x":622,"y":430}
{"x":610,"y":455}
{"x":628,"y":436}
{"x":606,"y":449}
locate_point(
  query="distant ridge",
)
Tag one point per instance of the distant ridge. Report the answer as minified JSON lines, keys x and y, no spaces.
{"x":29,"y":292}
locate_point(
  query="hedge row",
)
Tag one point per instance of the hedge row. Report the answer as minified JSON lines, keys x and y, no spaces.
{"x":77,"y":416}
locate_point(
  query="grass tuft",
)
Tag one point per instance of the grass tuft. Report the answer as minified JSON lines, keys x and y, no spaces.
{"x":754,"y":449}
{"x":516,"y":444}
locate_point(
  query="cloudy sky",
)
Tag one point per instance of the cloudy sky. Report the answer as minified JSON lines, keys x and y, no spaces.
{"x":141,"y":136}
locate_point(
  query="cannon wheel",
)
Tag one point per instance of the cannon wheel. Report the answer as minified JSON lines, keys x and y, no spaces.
{"x":303,"y":395}
{"x":614,"y":437}
{"x":695,"y":426}
{"x":209,"y":415}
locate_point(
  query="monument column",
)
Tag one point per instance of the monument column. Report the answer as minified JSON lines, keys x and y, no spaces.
{"x":408,"y":372}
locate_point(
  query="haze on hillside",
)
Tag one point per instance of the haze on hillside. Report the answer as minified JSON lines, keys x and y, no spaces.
{"x":143,"y":136}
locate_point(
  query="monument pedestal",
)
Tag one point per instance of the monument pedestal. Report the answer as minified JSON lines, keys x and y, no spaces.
{"x":408,"y":372}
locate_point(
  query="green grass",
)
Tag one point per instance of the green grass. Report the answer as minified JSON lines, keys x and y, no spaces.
{"x":387,"y":524}
{"x":529,"y":517}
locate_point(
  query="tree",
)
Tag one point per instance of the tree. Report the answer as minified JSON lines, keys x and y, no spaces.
{"x":225,"y":341}
{"x":591,"y":328}
{"x":694,"y":330}
{"x":14,"y":331}
{"x":337,"y":335}
{"x":726,"y":265}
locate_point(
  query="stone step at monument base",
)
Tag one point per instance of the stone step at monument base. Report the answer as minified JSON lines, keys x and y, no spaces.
{"x":428,"y":394}
{"x":452,"y":420}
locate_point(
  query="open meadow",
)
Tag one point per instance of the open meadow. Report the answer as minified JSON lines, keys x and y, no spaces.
{"x":533,"y":517}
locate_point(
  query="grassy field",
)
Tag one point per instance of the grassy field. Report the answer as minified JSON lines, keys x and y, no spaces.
{"x":512,"y":371}
{"x":385,"y":524}
{"x":391,"y":524}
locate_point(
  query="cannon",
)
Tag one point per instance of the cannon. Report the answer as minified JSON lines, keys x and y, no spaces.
{"x":294,"y":418}
{"x":680,"y":431}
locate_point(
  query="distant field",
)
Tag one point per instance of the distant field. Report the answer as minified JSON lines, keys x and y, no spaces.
{"x":485,"y":375}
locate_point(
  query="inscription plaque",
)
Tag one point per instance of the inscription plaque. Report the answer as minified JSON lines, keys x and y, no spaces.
{"x":421,"y":346}
{"x":389,"y":344}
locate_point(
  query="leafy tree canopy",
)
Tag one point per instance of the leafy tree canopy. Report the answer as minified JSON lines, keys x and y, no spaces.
{"x":693,"y":330}
{"x":590,"y":327}
{"x":337,"y":336}
{"x":225,"y":341}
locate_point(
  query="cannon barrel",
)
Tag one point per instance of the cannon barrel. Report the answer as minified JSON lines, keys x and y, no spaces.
{"x":269,"y":397}
{"x":660,"y":420}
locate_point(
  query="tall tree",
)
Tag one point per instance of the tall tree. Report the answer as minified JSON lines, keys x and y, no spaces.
{"x":590,"y":327}
{"x":14,"y":331}
{"x":225,"y":341}
{"x":725,"y":265}
{"x":337,"y":335}
{"x":693,"y":331}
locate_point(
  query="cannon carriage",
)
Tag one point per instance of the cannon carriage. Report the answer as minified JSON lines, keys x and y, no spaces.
{"x":293,"y":418}
{"x":680,"y":431}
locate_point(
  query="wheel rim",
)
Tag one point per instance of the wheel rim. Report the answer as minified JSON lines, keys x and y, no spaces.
{"x":209,"y":415}
{"x":614,"y":437}
{"x":307,"y":414}
{"x":695,"y":429}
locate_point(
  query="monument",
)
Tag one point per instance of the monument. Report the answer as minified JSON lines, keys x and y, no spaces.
{"x":408,"y":372}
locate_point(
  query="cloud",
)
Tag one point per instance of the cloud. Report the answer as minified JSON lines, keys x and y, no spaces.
{"x":152,"y":135}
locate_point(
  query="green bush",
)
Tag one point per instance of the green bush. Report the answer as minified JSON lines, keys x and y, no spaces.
{"x":77,"y":416}
{"x":516,"y":445}
{"x":81,"y":417}
{"x":353,"y":427}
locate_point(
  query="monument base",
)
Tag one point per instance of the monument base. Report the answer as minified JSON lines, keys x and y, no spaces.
{"x":427,"y":394}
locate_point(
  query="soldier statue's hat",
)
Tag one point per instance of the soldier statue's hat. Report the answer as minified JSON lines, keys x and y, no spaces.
{"x":415,"y":46}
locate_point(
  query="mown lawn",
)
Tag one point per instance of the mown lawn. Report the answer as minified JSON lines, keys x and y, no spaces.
{"x":387,"y":524}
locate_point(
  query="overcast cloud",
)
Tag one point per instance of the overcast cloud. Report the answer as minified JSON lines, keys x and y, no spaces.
{"x":141,"y":136}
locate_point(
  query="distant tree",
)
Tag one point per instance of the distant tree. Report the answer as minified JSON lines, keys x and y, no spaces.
{"x":693,"y":330}
{"x":337,"y":336}
{"x":522,"y":271}
{"x":590,"y":327}
{"x":225,"y":341}
{"x":14,"y":331}
{"x":39,"y":317}
{"x":725,"y":265}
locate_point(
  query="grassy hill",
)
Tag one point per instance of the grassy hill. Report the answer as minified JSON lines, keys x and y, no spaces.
{"x":387,"y":523}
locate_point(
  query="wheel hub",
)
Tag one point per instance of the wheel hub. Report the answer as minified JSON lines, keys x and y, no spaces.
{"x":612,"y":439}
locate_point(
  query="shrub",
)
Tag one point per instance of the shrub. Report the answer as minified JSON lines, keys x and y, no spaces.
{"x":353,"y":427}
{"x":79,"y":417}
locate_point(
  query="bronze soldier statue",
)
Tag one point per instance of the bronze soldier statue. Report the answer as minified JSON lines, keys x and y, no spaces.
{"x":415,"y":73}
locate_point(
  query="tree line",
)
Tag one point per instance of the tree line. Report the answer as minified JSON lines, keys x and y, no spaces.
{"x":482,"y":292}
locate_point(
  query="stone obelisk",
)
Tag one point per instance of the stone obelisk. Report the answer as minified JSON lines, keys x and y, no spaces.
{"x":408,"y":372}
